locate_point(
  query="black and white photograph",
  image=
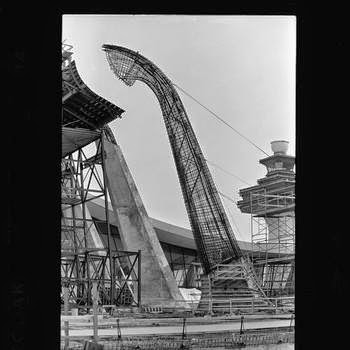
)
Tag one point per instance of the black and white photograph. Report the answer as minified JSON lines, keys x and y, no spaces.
{"x":178,"y":182}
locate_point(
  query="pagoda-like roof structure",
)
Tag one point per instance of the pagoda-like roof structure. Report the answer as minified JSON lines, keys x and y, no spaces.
{"x":81,"y":107}
{"x":84,"y":112}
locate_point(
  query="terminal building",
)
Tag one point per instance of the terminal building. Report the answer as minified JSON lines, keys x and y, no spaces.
{"x":177,"y":243}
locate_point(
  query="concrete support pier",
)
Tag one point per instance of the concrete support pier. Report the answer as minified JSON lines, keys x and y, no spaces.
{"x":158,"y":284}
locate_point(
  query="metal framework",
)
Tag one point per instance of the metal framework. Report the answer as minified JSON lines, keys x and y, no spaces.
{"x":213,"y":234}
{"x":273,"y":234}
{"x":80,"y":270}
{"x":84,"y":259}
{"x":80,"y":182}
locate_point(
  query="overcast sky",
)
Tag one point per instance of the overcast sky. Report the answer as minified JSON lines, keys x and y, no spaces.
{"x":241,"y":67}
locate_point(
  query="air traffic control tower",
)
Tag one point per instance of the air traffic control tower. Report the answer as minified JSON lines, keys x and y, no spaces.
{"x":271,"y":204}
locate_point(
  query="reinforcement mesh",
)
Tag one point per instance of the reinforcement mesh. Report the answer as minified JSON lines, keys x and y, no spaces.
{"x":213,"y":234}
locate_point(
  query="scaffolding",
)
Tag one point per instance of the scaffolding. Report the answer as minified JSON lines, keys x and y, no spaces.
{"x":273,"y":240}
{"x":80,"y":270}
{"x":84,"y":258}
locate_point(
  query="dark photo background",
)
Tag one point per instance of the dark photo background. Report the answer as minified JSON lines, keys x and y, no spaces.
{"x":31,"y":61}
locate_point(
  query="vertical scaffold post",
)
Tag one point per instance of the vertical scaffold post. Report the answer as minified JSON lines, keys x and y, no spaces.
{"x":80,"y":166}
{"x":183,"y":333}
{"x":66,"y":323}
{"x":184,"y":328}
{"x":94,"y":308}
{"x":241,"y":331}
{"x":276,"y":305}
{"x":111,"y":265}
{"x":210,"y":304}
{"x":291,"y":322}
{"x":118,"y":330}
{"x":66,"y":299}
{"x":139,"y":280}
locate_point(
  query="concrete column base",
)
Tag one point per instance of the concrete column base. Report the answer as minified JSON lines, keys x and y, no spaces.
{"x":158,"y":285}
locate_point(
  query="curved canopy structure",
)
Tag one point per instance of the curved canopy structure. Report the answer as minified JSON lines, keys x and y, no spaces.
{"x":81,"y":107}
{"x":213,"y":234}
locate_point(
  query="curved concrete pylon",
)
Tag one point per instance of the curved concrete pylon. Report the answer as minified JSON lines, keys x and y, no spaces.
{"x":211,"y":229}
